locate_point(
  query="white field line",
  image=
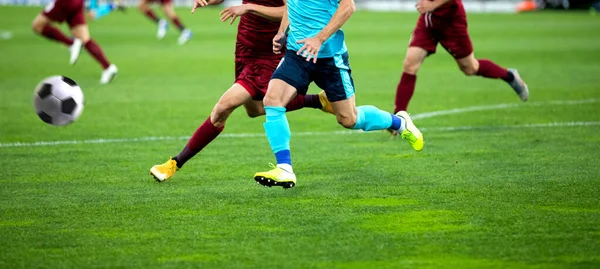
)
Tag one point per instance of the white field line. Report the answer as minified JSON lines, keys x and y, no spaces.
{"x":345,"y":132}
{"x":499,"y":106}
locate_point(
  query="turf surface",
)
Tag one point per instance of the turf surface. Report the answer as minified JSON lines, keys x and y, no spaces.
{"x":513,"y":185}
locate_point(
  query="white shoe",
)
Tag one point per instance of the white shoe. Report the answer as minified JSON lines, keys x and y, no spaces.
{"x":162,"y":29}
{"x":519,"y":85}
{"x":186,"y":34}
{"x":411,"y":133}
{"x":108,"y":74}
{"x":74,"y":50}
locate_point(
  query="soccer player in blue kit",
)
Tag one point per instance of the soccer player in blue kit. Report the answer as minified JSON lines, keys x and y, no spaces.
{"x":316,"y":51}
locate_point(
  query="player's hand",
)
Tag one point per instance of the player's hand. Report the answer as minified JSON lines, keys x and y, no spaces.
{"x":278,"y":42}
{"x":424,"y":6}
{"x":311,"y":48}
{"x":233,"y":12}
{"x":199,"y":3}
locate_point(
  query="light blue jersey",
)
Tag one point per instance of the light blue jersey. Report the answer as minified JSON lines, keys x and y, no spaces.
{"x":307,"y":19}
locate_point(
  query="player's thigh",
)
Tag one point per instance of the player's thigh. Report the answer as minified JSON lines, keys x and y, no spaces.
{"x":55,"y":11}
{"x":168,"y":9}
{"x":231,"y":99}
{"x":39,"y":22}
{"x":82,"y":32}
{"x":144,"y":5}
{"x":290,"y":78}
{"x":468,"y":65}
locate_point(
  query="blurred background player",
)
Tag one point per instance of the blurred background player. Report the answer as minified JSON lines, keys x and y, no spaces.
{"x":72,"y":12}
{"x":97,"y":11}
{"x":445,"y":22}
{"x":255,"y":62}
{"x":316,"y":51}
{"x":169,"y":11}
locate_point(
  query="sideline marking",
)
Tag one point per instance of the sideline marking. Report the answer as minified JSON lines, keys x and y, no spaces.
{"x":432,"y":114}
{"x":247,"y":135}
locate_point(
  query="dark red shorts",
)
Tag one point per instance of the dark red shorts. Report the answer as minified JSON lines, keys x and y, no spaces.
{"x":70,"y":11}
{"x":162,"y":2}
{"x":254,"y":75}
{"x":451,"y":32}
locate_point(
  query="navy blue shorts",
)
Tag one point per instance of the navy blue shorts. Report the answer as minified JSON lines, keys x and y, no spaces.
{"x":333,"y":75}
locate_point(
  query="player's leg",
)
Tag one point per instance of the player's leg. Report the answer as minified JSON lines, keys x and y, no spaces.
{"x":144,"y":7}
{"x":458,"y":43}
{"x":422,"y":43}
{"x":81,"y":31}
{"x":206,"y":133}
{"x":290,"y":79}
{"x":334,"y":76}
{"x":169,"y":10}
{"x":255,"y":77}
{"x":469,"y":65}
{"x":278,"y":131}
{"x":42,"y":25}
{"x":406,"y":87}
{"x":255,"y":108}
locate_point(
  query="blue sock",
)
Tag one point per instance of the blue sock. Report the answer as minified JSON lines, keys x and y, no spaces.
{"x":396,"y":122}
{"x":103,"y":10}
{"x":278,"y":132}
{"x":370,"y":118}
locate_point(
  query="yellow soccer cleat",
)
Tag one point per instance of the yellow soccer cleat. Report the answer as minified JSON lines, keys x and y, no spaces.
{"x":411,"y":133}
{"x":325,"y":104}
{"x":276,"y":177}
{"x":162,"y":172}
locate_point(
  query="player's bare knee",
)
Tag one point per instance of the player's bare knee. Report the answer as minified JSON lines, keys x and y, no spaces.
{"x":411,"y":66}
{"x":346,"y":121}
{"x":37,"y":26}
{"x":143,"y":7}
{"x":468,"y":70}
{"x":219,"y":114}
{"x":253,"y":113}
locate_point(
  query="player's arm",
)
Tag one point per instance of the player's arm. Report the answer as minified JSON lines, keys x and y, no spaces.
{"x":279,"y":39}
{"x":269,"y":13}
{"x":424,"y":6}
{"x":203,"y":3}
{"x":340,"y":17}
{"x":312,"y":45}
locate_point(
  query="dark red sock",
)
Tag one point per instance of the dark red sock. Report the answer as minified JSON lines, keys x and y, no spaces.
{"x":205,"y":134}
{"x":301,"y":101}
{"x":92,"y":47}
{"x":177,"y":23}
{"x":150,"y":14}
{"x":404,"y":91}
{"x":489,"y":69}
{"x":55,"y":34}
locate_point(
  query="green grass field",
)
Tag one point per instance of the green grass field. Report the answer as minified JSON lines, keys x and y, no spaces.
{"x":500,"y":183}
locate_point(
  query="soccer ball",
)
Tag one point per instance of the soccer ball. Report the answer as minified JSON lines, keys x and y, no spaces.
{"x":58,"y":100}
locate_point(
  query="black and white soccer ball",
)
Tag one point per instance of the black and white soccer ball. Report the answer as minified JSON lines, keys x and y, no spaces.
{"x":58,"y":100}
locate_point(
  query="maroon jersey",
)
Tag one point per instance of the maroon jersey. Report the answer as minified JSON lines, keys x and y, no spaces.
{"x":255,"y":33}
{"x":451,"y":8}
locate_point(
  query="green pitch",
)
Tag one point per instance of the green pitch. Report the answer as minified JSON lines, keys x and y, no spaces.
{"x":499,"y":184}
